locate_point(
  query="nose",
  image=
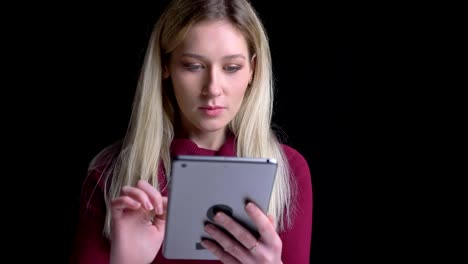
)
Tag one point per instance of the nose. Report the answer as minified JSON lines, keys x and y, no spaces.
{"x":212,"y":86}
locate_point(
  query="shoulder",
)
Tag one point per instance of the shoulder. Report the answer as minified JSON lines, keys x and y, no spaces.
{"x":295,"y":158}
{"x":298,"y":167}
{"x":103,"y":163}
{"x":97,"y":177}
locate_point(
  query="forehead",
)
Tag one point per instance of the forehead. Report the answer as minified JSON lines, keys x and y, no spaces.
{"x":214,"y":39}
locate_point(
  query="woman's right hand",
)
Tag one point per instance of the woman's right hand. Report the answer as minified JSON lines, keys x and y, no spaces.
{"x":138,"y":224}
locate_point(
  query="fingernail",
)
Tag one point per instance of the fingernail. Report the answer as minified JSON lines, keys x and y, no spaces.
{"x":149,"y":206}
{"x":219,"y":217}
{"x":249,"y":206}
{"x":203,"y":243}
{"x":208,"y":228}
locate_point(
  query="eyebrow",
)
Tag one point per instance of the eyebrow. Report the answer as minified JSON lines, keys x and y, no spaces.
{"x":193,"y":55}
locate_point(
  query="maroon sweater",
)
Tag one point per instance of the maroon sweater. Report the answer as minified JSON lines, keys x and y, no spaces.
{"x":92,"y":247}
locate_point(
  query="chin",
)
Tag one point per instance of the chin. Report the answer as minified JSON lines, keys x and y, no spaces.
{"x":212,"y":126}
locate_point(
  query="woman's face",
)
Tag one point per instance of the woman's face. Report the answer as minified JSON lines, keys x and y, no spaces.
{"x":210,"y":72}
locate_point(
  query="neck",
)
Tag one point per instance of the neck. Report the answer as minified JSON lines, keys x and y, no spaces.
{"x":209,"y":140}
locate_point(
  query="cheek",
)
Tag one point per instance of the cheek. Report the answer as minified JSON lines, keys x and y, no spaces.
{"x":187,"y":82}
{"x":237,"y":83}
{"x":237,"y":95}
{"x":183,"y":86}
{"x":183,"y":97}
{"x":182,"y":94}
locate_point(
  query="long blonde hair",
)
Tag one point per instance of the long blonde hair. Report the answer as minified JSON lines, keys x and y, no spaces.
{"x":151,"y":128}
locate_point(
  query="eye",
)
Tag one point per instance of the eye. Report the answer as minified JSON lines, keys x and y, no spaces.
{"x":232,"y":68}
{"x":193,"y":67}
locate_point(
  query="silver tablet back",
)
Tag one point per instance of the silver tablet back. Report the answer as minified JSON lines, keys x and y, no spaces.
{"x":200,"y":186}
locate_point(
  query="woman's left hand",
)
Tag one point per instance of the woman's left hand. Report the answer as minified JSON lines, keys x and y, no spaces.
{"x":247,"y":249}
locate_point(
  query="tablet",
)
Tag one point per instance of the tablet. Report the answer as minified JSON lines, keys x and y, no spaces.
{"x":200,"y":186}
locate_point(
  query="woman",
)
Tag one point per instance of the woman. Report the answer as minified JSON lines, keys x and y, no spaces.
{"x":205,"y":89}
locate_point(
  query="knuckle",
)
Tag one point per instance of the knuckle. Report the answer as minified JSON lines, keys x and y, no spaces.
{"x":225,"y":259}
{"x":263,"y":229}
{"x":157,"y":195}
{"x":278,"y":244}
{"x":269,"y":259}
{"x":243,"y":236}
{"x":266,"y":258}
{"x":217,"y":252}
{"x":235,"y":250}
{"x":124,"y":190}
{"x":230,"y":248}
{"x":263,"y":259}
{"x":140,"y":183}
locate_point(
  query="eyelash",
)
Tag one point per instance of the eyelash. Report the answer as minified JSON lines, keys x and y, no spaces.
{"x":192,"y":67}
{"x":197,"y":67}
{"x":232,"y":68}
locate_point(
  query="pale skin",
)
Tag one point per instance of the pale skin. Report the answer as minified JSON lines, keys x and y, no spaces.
{"x":210,"y":72}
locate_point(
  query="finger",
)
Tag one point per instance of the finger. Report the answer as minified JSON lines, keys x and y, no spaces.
{"x":153,"y":194}
{"x":138,"y":195}
{"x":239,"y":232}
{"x":162,"y":217}
{"x":272,"y":219}
{"x":265,"y":227}
{"x":123,"y":202}
{"x":222,"y":255}
{"x":228,"y":244}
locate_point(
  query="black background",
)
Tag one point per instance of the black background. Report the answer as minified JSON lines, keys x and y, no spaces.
{"x":76,"y":71}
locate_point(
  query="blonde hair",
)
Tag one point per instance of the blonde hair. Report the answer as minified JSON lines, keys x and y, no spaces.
{"x":151,"y":128}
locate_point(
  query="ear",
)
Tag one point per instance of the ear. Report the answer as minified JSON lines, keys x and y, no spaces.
{"x":165,"y":73}
{"x":253,"y":63}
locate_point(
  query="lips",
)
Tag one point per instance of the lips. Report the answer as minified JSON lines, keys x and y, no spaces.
{"x":212,"y":110}
{"x":215,"y":107}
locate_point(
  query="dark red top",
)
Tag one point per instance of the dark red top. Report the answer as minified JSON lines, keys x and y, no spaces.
{"x":92,"y":247}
